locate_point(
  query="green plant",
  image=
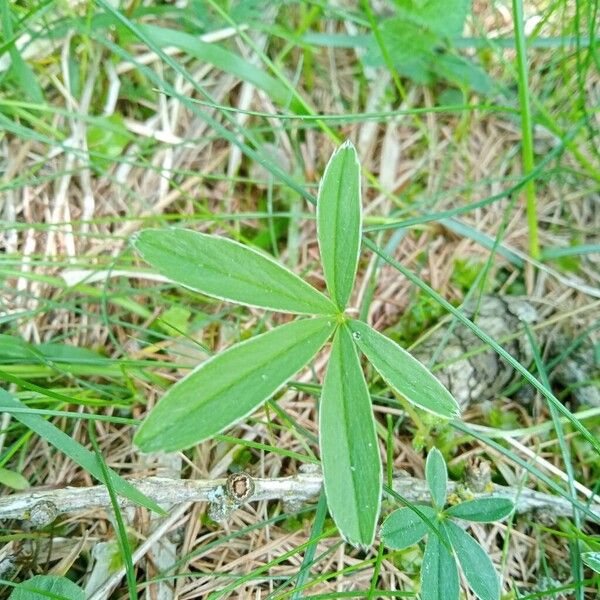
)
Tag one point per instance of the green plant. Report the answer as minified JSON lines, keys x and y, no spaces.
{"x":419,"y":41}
{"x":447,"y":542}
{"x":42,"y":587}
{"x":229,"y":386}
{"x":592,"y":560}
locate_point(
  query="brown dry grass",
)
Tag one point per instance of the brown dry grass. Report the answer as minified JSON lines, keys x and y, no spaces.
{"x":436,"y":155}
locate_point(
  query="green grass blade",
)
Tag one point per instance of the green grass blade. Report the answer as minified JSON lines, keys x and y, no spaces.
{"x":349,"y":451}
{"x":339,"y":219}
{"x":121,"y":529}
{"x":230,"y":385}
{"x":309,"y":556}
{"x":404,"y":373}
{"x":75,"y":451}
{"x":483,"y":336}
{"x":526,"y":128}
{"x":224,"y":60}
{"x":565,"y":451}
{"x":22,"y":71}
{"x":225,"y":269}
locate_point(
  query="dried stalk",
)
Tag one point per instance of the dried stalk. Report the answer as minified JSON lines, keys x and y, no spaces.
{"x":40,"y":508}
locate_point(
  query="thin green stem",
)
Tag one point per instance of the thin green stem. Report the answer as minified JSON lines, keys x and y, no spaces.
{"x":526,"y":129}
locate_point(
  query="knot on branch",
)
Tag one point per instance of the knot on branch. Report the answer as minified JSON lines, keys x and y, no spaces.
{"x":238,"y":488}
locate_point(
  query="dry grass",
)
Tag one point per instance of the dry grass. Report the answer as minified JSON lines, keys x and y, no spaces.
{"x":69,"y":217}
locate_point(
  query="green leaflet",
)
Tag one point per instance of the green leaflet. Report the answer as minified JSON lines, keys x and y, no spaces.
{"x":229,"y":386}
{"x":349,"y":451}
{"x":74,"y":450}
{"x":404,"y":373}
{"x":592,"y":560}
{"x":12,"y":479}
{"x":475,"y":563}
{"x":482,"y":510}
{"x":339,"y":217}
{"x":404,"y":527}
{"x":439,"y":575}
{"x":437,"y":477}
{"x":227,"y":270}
{"x":44,"y":587}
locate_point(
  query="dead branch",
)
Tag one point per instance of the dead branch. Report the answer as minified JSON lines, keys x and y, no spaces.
{"x":41,"y":507}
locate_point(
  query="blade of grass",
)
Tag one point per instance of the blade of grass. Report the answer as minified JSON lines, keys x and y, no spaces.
{"x":526,"y":128}
{"x":121,"y":529}
{"x":75,"y":451}
{"x":308,"y":560}
{"x":576,"y":564}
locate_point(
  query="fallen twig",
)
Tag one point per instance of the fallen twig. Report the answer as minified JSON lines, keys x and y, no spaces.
{"x":41,"y":507}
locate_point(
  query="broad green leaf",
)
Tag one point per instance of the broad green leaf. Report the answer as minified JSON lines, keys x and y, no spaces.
{"x":475,"y":563}
{"x":339,"y":217}
{"x":404,"y":527}
{"x":439,"y":575}
{"x":74,"y":450}
{"x":47,"y":587}
{"x":437,"y":477}
{"x":349,"y":451}
{"x":482,"y":510}
{"x":592,"y":560}
{"x":230,"y":385}
{"x":227,"y":270}
{"x":404,"y":373}
{"x":14,"y":480}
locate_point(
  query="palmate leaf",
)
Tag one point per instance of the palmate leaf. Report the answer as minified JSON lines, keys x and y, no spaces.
{"x":437,"y":477}
{"x":404,"y":373}
{"x":475,"y":563}
{"x":439,"y":575}
{"x":339,"y":217}
{"x":229,"y":386}
{"x":482,"y":510}
{"x":349,"y":452}
{"x":227,"y":270}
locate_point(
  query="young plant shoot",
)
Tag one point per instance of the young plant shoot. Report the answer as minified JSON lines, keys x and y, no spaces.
{"x":228,"y":387}
{"x":447,"y":542}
